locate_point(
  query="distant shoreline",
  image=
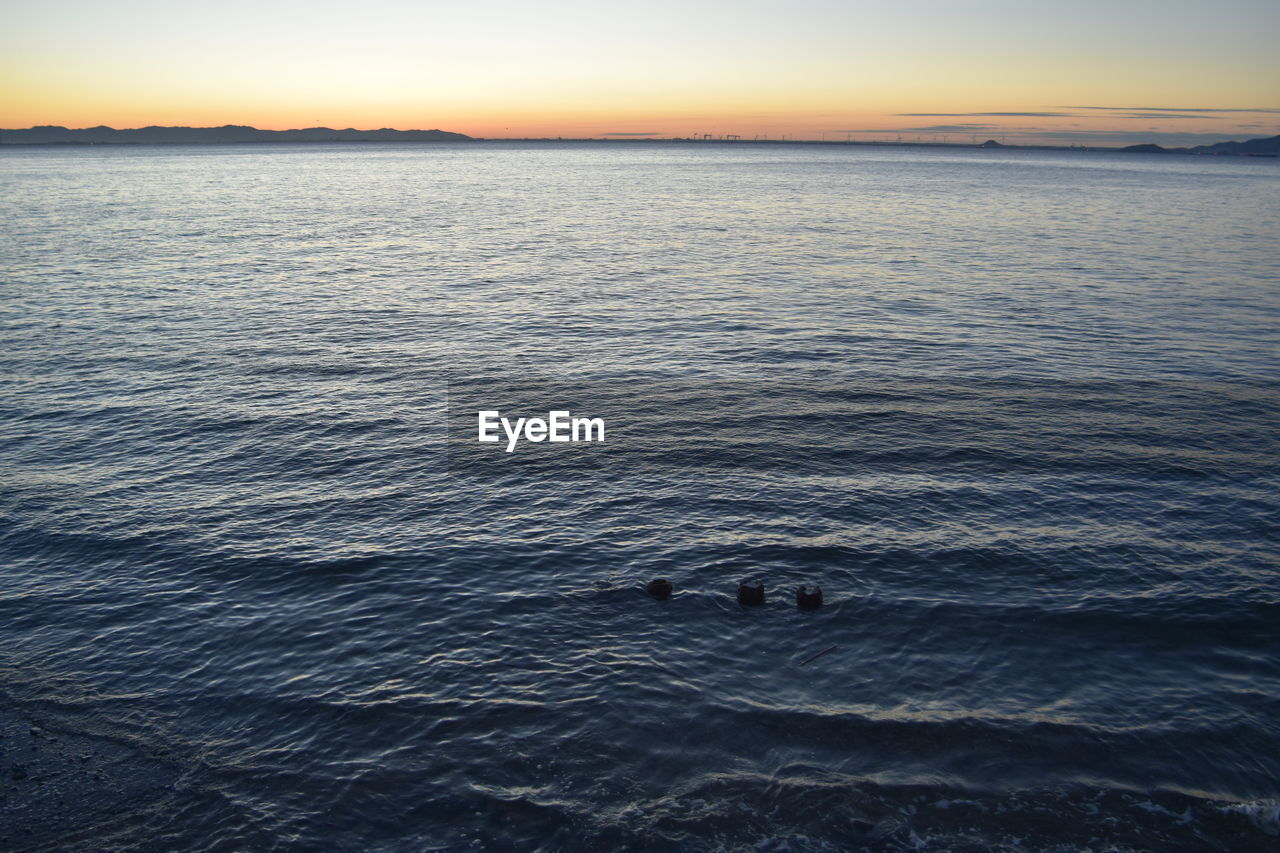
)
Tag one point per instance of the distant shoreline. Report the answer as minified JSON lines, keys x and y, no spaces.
{"x":51,"y":135}
{"x":226,"y":134}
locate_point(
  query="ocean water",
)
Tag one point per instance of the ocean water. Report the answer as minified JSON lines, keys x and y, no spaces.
{"x":1016,"y":412}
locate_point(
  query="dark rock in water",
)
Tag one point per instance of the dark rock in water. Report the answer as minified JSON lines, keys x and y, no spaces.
{"x":991,"y":143}
{"x":751,"y":591}
{"x":1148,"y":148}
{"x":659,"y":588}
{"x":809,"y":596}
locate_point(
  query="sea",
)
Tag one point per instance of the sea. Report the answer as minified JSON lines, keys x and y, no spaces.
{"x":262,"y":588}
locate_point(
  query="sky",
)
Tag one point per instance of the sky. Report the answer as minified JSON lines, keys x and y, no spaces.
{"x":1079,"y":72}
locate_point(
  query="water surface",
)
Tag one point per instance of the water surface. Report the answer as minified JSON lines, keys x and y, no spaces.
{"x":1015,"y":411}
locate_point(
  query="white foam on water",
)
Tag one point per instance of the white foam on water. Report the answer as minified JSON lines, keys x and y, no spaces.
{"x":1264,"y":814}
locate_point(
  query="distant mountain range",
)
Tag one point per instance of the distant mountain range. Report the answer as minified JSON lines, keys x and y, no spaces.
{"x":1267,"y":147}
{"x":52,"y":134}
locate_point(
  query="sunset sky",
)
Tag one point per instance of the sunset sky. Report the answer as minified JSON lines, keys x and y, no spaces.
{"x":1176,"y":72}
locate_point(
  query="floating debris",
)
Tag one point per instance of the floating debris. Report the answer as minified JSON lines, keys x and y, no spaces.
{"x":809,"y":596}
{"x":751,"y":591}
{"x":659,"y":588}
{"x":817,"y":655}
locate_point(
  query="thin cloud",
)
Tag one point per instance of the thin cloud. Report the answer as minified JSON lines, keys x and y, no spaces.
{"x":1169,"y":139}
{"x":1179,"y":109}
{"x":1051,"y":136}
{"x":1163,"y":116}
{"x":936,"y":128}
{"x":984,"y":115}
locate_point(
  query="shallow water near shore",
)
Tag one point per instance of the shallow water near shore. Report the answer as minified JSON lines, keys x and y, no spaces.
{"x":1015,"y":411}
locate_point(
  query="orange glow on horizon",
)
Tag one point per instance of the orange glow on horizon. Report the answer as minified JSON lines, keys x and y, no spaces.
{"x":578,"y":69}
{"x":585,"y":124}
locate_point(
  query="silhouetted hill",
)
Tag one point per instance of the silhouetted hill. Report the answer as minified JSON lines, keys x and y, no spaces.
{"x":49,"y":134}
{"x":1269,"y":146}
